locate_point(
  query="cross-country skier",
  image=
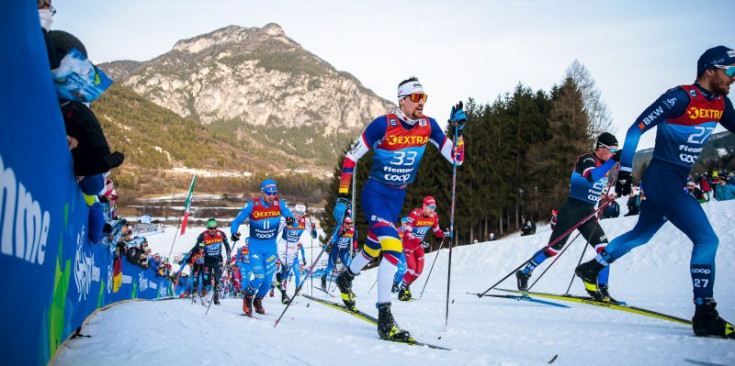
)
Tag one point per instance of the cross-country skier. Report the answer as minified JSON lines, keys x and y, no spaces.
{"x":401,"y":267}
{"x":242,"y":262}
{"x":420,"y":221}
{"x":195,"y":260}
{"x":264,"y":214}
{"x":344,"y":236}
{"x":399,"y":140}
{"x":213,"y":240}
{"x":289,"y":246}
{"x":585,"y":190}
{"x":686,"y":116}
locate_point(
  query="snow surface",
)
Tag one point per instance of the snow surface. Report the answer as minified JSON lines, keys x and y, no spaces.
{"x":487,"y":331}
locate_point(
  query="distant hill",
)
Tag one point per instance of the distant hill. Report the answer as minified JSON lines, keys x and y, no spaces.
{"x":257,"y":84}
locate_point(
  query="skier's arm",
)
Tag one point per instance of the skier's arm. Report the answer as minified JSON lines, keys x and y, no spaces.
{"x":335,"y":234}
{"x":354,"y":241}
{"x":374,"y":132}
{"x":586,"y":167}
{"x":412,"y":217}
{"x":241,"y":217}
{"x":228,"y":250}
{"x":728,"y":116}
{"x":437,"y":230}
{"x":445,"y":145}
{"x":286,"y":213}
{"x":312,"y":227}
{"x":671,"y":104}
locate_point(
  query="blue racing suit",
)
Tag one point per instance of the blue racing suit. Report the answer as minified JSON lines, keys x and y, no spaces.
{"x":340,"y":242}
{"x":288,"y":247}
{"x":685,"y":116}
{"x":264,"y":222}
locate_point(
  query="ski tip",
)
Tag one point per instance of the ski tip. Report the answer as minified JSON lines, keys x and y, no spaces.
{"x":553,"y":358}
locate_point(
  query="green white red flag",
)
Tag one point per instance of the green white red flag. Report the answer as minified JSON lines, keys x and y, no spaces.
{"x":187,"y":205}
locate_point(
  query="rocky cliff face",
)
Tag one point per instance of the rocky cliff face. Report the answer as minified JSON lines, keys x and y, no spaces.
{"x":257,"y":83}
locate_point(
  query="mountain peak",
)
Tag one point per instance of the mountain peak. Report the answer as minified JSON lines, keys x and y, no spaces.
{"x":230,"y":35}
{"x":274,"y":29}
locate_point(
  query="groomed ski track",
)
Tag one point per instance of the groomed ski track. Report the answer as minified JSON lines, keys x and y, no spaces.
{"x":486,"y":331}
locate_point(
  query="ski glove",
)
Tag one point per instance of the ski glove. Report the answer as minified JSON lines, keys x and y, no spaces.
{"x":289,"y":221}
{"x":424,"y":244}
{"x":623,"y":185}
{"x":235,"y":237}
{"x":341,"y":207}
{"x":457,"y":118}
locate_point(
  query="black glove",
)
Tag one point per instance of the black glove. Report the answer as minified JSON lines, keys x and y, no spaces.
{"x":289,"y":221}
{"x":617,"y":155}
{"x":457,"y":118}
{"x":235,"y":237}
{"x":623,"y":185}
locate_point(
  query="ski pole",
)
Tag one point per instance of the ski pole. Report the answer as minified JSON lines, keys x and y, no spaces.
{"x":451,"y":219}
{"x":215,"y":289}
{"x":432,"y":267}
{"x":555,"y":259}
{"x":311,"y":270}
{"x":371,"y":287}
{"x":564,"y":235}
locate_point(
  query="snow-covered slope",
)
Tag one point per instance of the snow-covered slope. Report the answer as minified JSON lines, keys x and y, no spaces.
{"x":486,"y":331}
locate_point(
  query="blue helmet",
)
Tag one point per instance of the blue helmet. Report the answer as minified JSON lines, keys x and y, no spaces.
{"x":269,"y":186}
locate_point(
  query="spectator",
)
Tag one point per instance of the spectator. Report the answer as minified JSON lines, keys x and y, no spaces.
{"x":695,"y":192}
{"x":528,"y":227}
{"x":724,"y":191}
{"x":611,"y":210}
{"x":705,"y":187}
{"x":552,"y":222}
{"x":635,"y":202}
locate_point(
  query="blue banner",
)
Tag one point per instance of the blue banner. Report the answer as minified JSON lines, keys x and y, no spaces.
{"x":53,"y":277}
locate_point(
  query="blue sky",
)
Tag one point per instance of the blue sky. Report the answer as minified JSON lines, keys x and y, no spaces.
{"x":634,"y":50}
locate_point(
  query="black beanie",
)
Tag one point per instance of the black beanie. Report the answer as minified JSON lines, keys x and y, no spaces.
{"x":606,"y":139}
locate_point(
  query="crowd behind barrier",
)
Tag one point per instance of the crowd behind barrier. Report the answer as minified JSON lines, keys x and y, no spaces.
{"x":56,"y":251}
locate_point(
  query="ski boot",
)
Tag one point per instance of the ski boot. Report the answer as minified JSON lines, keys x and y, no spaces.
{"x":588,"y":273}
{"x":215,"y":299}
{"x":708,"y":323}
{"x":344,"y":283}
{"x":604,"y":291}
{"x":404,"y":294}
{"x":258,"y":305}
{"x":284,"y":298}
{"x":387,"y":327}
{"x":523,"y":280}
{"x":324,"y":282}
{"x":272,"y":293}
{"x":396,"y":287}
{"x":247,"y":304}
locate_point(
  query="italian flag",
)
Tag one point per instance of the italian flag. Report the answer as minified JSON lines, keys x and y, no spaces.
{"x":187,"y":205}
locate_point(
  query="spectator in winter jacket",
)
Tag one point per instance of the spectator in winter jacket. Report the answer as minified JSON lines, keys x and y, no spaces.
{"x":705,"y":187}
{"x":611,"y":210}
{"x":724,"y":191}
{"x":528,"y":227}
{"x":635,"y":202}
{"x":695,"y":192}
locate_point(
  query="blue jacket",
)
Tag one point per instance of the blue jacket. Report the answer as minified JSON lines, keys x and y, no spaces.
{"x":725,"y":192}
